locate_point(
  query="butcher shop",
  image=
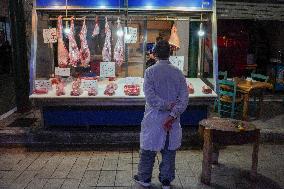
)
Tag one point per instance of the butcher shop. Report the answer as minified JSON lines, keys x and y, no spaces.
{"x":88,"y":58}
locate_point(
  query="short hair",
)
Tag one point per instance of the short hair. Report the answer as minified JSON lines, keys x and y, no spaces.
{"x":162,"y":50}
{"x":159,"y":38}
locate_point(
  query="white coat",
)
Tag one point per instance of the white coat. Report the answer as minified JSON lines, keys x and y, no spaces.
{"x":163,"y":84}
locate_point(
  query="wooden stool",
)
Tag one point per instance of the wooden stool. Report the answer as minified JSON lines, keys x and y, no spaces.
{"x":225,"y":131}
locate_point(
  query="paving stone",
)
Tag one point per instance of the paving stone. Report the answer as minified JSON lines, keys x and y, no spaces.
{"x":96,"y":163}
{"x":37,"y":183}
{"x":50,"y":166}
{"x":79,"y":168}
{"x":109,"y":164}
{"x":112,"y":155}
{"x":99,"y":154}
{"x":10,"y":176}
{"x":90,"y":179}
{"x":124,"y":165}
{"x":125,"y":155}
{"x":26,"y":161}
{"x":188,"y":181}
{"x":53,"y":184}
{"x":23,"y":180}
{"x":71,"y":184}
{"x":187,"y":172}
{"x":40,"y":161}
{"x":176,"y":182}
{"x":123,"y":178}
{"x":5,"y":183}
{"x":64,"y":167}
{"x":107,"y":178}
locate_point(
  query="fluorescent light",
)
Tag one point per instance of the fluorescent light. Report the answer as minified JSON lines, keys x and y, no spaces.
{"x":201,"y":33}
{"x":119,"y":33}
{"x":67,"y":30}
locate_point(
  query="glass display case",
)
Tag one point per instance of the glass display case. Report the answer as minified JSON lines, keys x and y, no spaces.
{"x":89,"y":58}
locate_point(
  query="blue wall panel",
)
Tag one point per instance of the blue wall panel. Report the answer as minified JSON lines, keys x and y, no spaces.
{"x":172,"y":3}
{"x":124,"y":116}
{"x":81,"y":3}
{"x":199,"y":4}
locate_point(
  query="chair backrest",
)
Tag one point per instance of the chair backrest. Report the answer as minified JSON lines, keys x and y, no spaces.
{"x":259,"y":77}
{"x":222,"y":75}
{"x":227,"y":89}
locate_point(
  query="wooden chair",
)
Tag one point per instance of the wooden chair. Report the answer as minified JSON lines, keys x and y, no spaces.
{"x":221,"y":75}
{"x":228,"y":100}
{"x":259,"y":77}
{"x":258,"y":94}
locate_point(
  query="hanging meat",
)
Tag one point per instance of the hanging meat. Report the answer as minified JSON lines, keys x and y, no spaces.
{"x":118,"y":49}
{"x":63,"y":56}
{"x":97,"y":28}
{"x":74,"y":54}
{"x":174,"y":38}
{"x":85,"y":54}
{"x":107,"y":46}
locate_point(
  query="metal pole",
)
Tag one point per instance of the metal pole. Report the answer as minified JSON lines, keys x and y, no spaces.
{"x":214,"y":44}
{"x":199,"y":66}
{"x":33,"y":49}
{"x":126,"y":45}
{"x":144,"y":44}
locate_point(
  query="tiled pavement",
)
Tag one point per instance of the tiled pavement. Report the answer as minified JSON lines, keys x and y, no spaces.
{"x":22,"y":168}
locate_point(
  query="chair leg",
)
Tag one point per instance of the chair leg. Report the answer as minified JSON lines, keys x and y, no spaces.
{"x":233,"y":111}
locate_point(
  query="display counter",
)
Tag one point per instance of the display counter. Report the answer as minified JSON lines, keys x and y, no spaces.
{"x":118,"y":109}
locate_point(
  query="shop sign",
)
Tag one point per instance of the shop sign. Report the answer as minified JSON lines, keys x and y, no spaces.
{"x":133,"y":81}
{"x":42,"y":84}
{"x":89,"y":84}
{"x":62,"y":71}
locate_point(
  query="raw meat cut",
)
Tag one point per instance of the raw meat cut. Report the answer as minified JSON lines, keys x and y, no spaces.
{"x":174,"y":38}
{"x":60,"y":87}
{"x":107,"y":46}
{"x":76,"y":90}
{"x":118,"y":49}
{"x":110,"y":89}
{"x":63,"y":56}
{"x":74,"y":54}
{"x":85,"y":54}
{"x":132,"y":90}
{"x":92,"y":92}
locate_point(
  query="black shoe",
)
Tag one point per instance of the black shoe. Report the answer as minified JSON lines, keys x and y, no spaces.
{"x":145,"y":183}
{"x":166,"y":184}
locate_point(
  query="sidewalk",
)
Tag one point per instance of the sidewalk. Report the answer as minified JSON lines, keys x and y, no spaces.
{"x":36,"y":165}
{"x":20,"y":168}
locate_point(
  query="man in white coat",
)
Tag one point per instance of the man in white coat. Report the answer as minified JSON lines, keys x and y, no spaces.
{"x":166,"y":97}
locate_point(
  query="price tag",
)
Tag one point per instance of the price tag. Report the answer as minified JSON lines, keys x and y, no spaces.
{"x":177,"y":61}
{"x":49,"y":35}
{"x":133,"y":80}
{"x":62,"y":71}
{"x":42,"y":84}
{"x":89,"y":84}
{"x":130,"y":35}
{"x":107,"y":69}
